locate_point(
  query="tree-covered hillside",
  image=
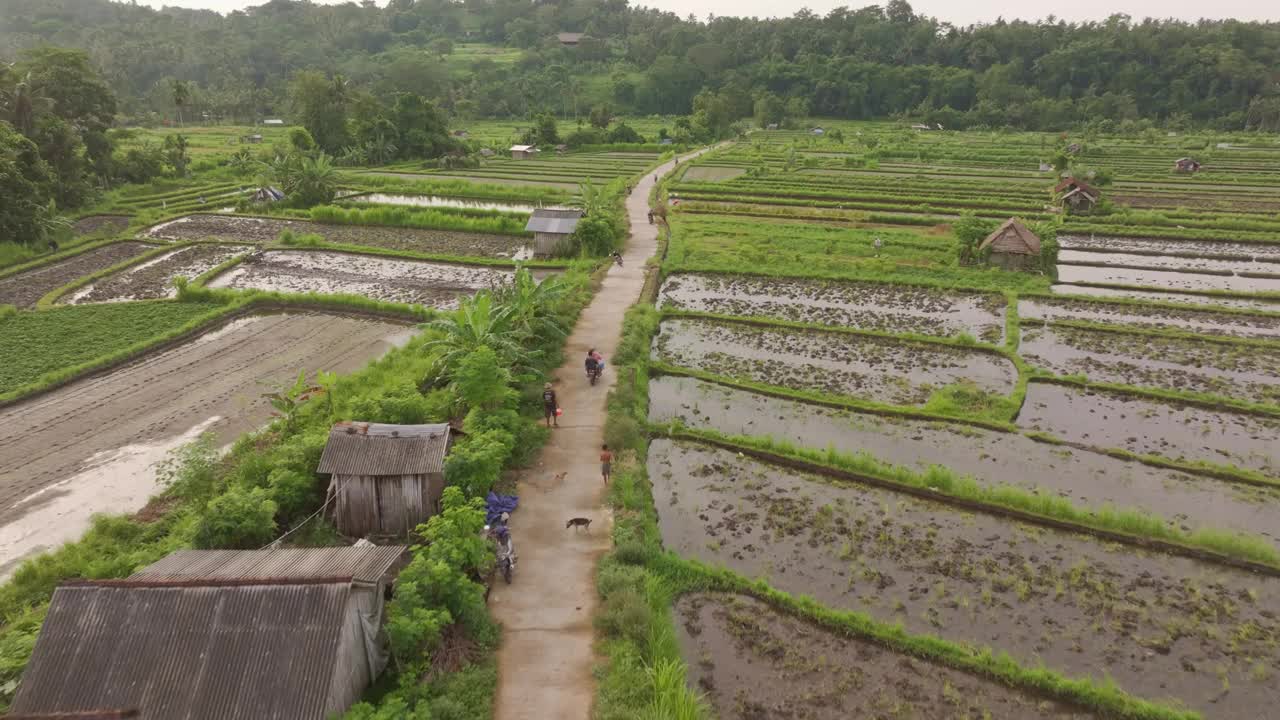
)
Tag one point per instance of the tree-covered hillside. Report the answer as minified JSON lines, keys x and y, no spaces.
{"x":499,"y":58}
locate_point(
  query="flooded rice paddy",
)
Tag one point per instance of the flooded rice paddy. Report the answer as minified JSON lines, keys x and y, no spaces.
{"x":753,"y":661}
{"x":1153,"y":427}
{"x":868,"y":306}
{"x":1169,"y":262}
{"x":439,"y":201}
{"x":1089,"y":479}
{"x":154,"y":278}
{"x":406,"y":281}
{"x":1172,"y":247}
{"x":1164,"y":628}
{"x":237,"y":228}
{"x":1168,"y":297}
{"x":1187,"y":281}
{"x":25,"y":289}
{"x":1201,"y":321}
{"x":1249,"y":372}
{"x":884,"y":370}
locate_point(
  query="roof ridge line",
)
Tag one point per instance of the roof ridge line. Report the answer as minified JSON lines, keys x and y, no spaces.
{"x":208,"y":582}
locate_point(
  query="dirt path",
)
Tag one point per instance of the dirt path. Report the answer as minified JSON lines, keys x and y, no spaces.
{"x":545,"y":662}
{"x":89,"y":447}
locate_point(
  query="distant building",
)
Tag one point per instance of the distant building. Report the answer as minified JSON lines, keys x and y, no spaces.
{"x":273,"y":121}
{"x":252,"y":139}
{"x":290,"y":634}
{"x":921,"y":127}
{"x":386,"y":480}
{"x":562,"y":149}
{"x":1186,"y":165}
{"x":1073,"y":148}
{"x":1076,"y":196}
{"x":772,"y":126}
{"x":666,"y":141}
{"x":1045,"y":167}
{"x":570,"y":39}
{"x":1013,"y":247}
{"x":551,"y":227}
{"x":817,"y":131}
{"x":486,"y":152}
{"x":522,"y":152}
{"x":461,"y":134}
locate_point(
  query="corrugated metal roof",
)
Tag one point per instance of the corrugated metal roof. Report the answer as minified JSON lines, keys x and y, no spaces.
{"x":90,"y":715}
{"x":356,"y":448}
{"x":367,"y":564}
{"x":521,"y":148}
{"x":244,"y":652}
{"x":553,"y":220}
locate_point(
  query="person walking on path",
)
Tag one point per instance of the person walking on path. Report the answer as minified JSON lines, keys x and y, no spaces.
{"x":549,"y":405}
{"x":606,"y":463}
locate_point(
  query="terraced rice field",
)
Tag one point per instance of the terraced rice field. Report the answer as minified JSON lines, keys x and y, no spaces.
{"x":1079,"y":468}
{"x":24,"y":289}
{"x":154,"y":278}
{"x":565,"y":171}
{"x":405,"y":281}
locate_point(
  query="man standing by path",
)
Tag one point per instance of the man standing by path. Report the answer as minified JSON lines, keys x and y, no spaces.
{"x":546,"y":658}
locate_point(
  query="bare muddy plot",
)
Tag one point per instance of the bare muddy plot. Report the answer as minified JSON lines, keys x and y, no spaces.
{"x":1087,"y":478}
{"x":1165,"y":628}
{"x":1153,"y":427}
{"x":869,"y":306}
{"x":1168,"y":297}
{"x":105,"y":224}
{"x":1168,"y":262}
{"x":1245,"y":372}
{"x":755,"y":662}
{"x":1203,"y":321}
{"x":263,"y":230}
{"x":880,"y":369}
{"x":90,"y":446}
{"x":1188,"y":281}
{"x":154,"y":278}
{"x":1168,"y":246}
{"x":407,"y":281}
{"x":25,"y":289}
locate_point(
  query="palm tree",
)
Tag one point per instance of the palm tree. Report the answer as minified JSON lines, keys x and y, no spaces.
{"x":181,"y":95}
{"x":22,"y":103}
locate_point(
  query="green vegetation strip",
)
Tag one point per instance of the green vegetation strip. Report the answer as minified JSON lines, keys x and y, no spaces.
{"x":941,"y":484}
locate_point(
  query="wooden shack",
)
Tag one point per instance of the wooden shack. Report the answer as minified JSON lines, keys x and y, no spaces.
{"x":1076,"y":196}
{"x":522,"y":152}
{"x":570,"y":39}
{"x":1012,"y":246}
{"x":551,"y":227}
{"x":291,"y":634}
{"x":1186,"y":165}
{"x":385,"y":479}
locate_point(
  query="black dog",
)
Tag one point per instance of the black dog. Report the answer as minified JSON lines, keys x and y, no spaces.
{"x":576,"y":523}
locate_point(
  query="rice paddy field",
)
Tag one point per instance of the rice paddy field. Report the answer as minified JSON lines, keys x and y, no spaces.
{"x":883,"y":473}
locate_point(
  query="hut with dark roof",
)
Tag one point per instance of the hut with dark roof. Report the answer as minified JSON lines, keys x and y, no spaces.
{"x":386,"y":479}
{"x":1186,"y":165}
{"x":290,"y":634}
{"x":1076,"y":196}
{"x":1012,"y":246}
{"x":551,"y":227}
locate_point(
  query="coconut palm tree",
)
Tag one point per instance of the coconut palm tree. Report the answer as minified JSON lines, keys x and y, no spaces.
{"x":181,"y":96}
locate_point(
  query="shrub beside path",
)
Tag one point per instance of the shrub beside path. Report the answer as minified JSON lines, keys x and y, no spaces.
{"x":546,"y":657}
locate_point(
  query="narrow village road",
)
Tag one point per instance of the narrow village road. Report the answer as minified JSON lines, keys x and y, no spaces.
{"x":545,"y":662}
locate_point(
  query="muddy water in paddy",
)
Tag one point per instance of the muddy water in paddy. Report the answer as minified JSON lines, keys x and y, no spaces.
{"x":1153,"y":427}
{"x":235,"y":228}
{"x":1164,"y":246}
{"x":1165,"y":278}
{"x":1243,"y":372}
{"x":994,"y":458}
{"x":1169,"y":262}
{"x":756,"y":662}
{"x":879,"y":369}
{"x":90,"y":445}
{"x":1168,"y":297}
{"x":1162,"y":627}
{"x":25,"y":289}
{"x":407,"y":281}
{"x":1200,"y":321}
{"x":868,"y":306}
{"x":154,"y":278}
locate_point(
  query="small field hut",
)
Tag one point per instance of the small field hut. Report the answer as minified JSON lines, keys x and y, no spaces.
{"x":1076,"y":196}
{"x":386,"y":479}
{"x":570,"y":39}
{"x":551,"y":227}
{"x":1186,"y":165}
{"x":290,"y":634}
{"x":1012,"y":246}
{"x":267,"y":194}
{"x":522,"y":152}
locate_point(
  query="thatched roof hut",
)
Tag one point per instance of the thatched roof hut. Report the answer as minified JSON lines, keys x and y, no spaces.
{"x":1012,"y":246}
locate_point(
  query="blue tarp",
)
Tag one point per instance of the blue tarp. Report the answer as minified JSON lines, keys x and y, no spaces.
{"x":498,"y":504}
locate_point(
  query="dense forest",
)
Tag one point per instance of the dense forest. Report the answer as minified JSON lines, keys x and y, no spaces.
{"x":501,"y":58}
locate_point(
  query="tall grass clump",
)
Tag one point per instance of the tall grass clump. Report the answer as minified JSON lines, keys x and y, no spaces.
{"x":421,"y":218}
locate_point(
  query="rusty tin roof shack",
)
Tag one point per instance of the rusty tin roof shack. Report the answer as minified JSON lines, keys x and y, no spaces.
{"x":1012,"y":246}
{"x":200,"y":635}
{"x":386,"y":479}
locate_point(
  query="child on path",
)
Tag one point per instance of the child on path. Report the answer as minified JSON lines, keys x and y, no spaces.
{"x":549,"y":405}
{"x":606,"y":462}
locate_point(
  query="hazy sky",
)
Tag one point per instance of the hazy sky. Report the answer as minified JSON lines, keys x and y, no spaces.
{"x":961,"y":13}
